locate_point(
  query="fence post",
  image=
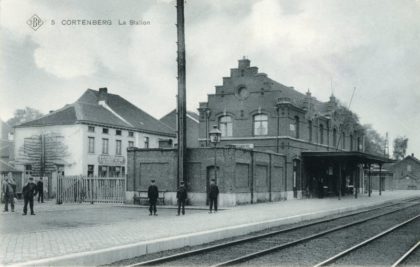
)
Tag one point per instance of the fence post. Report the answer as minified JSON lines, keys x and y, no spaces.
{"x":91,"y":193}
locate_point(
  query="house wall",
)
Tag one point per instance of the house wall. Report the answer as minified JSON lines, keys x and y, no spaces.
{"x":73,"y":137}
{"x":76,"y":139}
{"x":243,"y":176}
{"x":406,"y":174}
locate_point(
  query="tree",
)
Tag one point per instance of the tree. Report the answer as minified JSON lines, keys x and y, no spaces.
{"x":23,"y":115}
{"x":374,"y":142}
{"x":43,"y":152}
{"x":400,"y":147}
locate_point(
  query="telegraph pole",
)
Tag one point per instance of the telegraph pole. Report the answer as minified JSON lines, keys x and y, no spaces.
{"x":181,"y":105}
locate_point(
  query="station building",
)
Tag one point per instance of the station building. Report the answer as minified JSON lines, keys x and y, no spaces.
{"x":88,"y":138}
{"x":305,"y":147}
{"x":322,"y":141}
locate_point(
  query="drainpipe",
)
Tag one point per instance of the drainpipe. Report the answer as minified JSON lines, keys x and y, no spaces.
{"x":252,"y":177}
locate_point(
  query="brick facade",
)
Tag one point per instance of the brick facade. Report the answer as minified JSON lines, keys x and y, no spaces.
{"x":292,"y":122}
{"x":243,"y":176}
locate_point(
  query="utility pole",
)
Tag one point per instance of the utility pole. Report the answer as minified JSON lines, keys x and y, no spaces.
{"x":181,"y":105}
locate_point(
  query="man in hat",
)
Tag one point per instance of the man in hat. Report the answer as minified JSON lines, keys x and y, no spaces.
{"x":9,"y":192}
{"x":40,"y":189}
{"x":152,"y":194}
{"x":181,"y":196}
{"x":29,"y":191}
{"x":213,"y":194}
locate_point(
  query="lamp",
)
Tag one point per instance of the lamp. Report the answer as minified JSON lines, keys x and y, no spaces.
{"x":215,"y":135}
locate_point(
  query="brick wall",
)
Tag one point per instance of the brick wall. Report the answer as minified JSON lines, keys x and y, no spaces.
{"x":243,"y":176}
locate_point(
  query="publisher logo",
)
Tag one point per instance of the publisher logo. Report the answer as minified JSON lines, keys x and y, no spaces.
{"x":35,"y":22}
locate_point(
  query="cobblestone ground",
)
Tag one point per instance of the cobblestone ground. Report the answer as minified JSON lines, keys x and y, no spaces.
{"x":58,"y":230}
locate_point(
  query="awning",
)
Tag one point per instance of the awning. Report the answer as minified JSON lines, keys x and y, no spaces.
{"x":354,"y":156}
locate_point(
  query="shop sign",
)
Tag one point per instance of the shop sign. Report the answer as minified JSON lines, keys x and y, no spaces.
{"x":111,"y":160}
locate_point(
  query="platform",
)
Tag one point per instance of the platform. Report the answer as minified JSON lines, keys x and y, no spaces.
{"x":85,"y":234}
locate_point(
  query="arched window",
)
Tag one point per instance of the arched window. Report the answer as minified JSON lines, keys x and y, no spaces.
{"x":334,"y":137}
{"x":343,"y":142}
{"x":260,"y":124}
{"x":321,"y":134}
{"x":310,"y":130}
{"x":225,"y":125}
{"x":297,"y":134}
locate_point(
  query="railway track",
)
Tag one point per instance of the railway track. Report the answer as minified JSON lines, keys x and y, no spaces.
{"x":407,"y":255}
{"x":368,"y":241}
{"x":248,"y":248}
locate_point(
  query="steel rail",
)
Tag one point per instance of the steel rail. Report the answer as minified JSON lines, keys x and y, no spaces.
{"x":176,"y":256}
{"x":406,"y":255}
{"x":260,"y":253}
{"x":365,"y":242}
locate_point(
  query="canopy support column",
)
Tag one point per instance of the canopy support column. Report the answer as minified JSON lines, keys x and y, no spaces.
{"x":369,"y":181}
{"x":339,"y":180}
{"x":380,"y":179}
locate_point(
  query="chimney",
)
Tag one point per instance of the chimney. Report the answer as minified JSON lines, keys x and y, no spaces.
{"x":412,"y":154}
{"x":51,"y":111}
{"x":244,"y":63}
{"x":103,"y":95}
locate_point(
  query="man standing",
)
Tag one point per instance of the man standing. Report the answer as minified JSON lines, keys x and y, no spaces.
{"x":213,"y":194}
{"x":181,"y":196}
{"x":152,"y":194}
{"x":29,"y":191}
{"x":9,"y":190}
{"x":40,"y":189}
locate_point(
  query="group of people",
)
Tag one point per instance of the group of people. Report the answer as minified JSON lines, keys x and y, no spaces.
{"x":181,"y":196}
{"x":29,"y":191}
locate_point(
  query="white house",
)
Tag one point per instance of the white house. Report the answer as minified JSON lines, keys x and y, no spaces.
{"x":89,"y":137}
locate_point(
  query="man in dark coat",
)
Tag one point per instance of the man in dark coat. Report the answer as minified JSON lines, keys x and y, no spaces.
{"x":29,"y":191}
{"x":152,"y":194}
{"x":181,"y":196}
{"x":40,"y":189}
{"x":213,"y":194}
{"x":9,"y":192}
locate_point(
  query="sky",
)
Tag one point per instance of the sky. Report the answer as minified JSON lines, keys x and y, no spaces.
{"x":322,"y":45}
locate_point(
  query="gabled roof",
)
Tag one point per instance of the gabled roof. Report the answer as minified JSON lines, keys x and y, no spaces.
{"x":118,"y":113}
{"x":64,"y":116}
{"x":170,"y":118}
{"x":409,"y":157}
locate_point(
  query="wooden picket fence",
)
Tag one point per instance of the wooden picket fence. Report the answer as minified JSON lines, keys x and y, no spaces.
{"x":78,"y":189}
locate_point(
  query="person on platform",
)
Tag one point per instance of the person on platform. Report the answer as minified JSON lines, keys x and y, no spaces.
{"x":29,"y":191}
{"x":213,"y":194}
{"x":152,"y":194}
{"x":40,"y":189}
{"x":181,"y":196}
{"x":9,"y":192}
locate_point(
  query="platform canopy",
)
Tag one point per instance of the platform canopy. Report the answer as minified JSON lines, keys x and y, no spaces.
{"x":347,"y":156}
